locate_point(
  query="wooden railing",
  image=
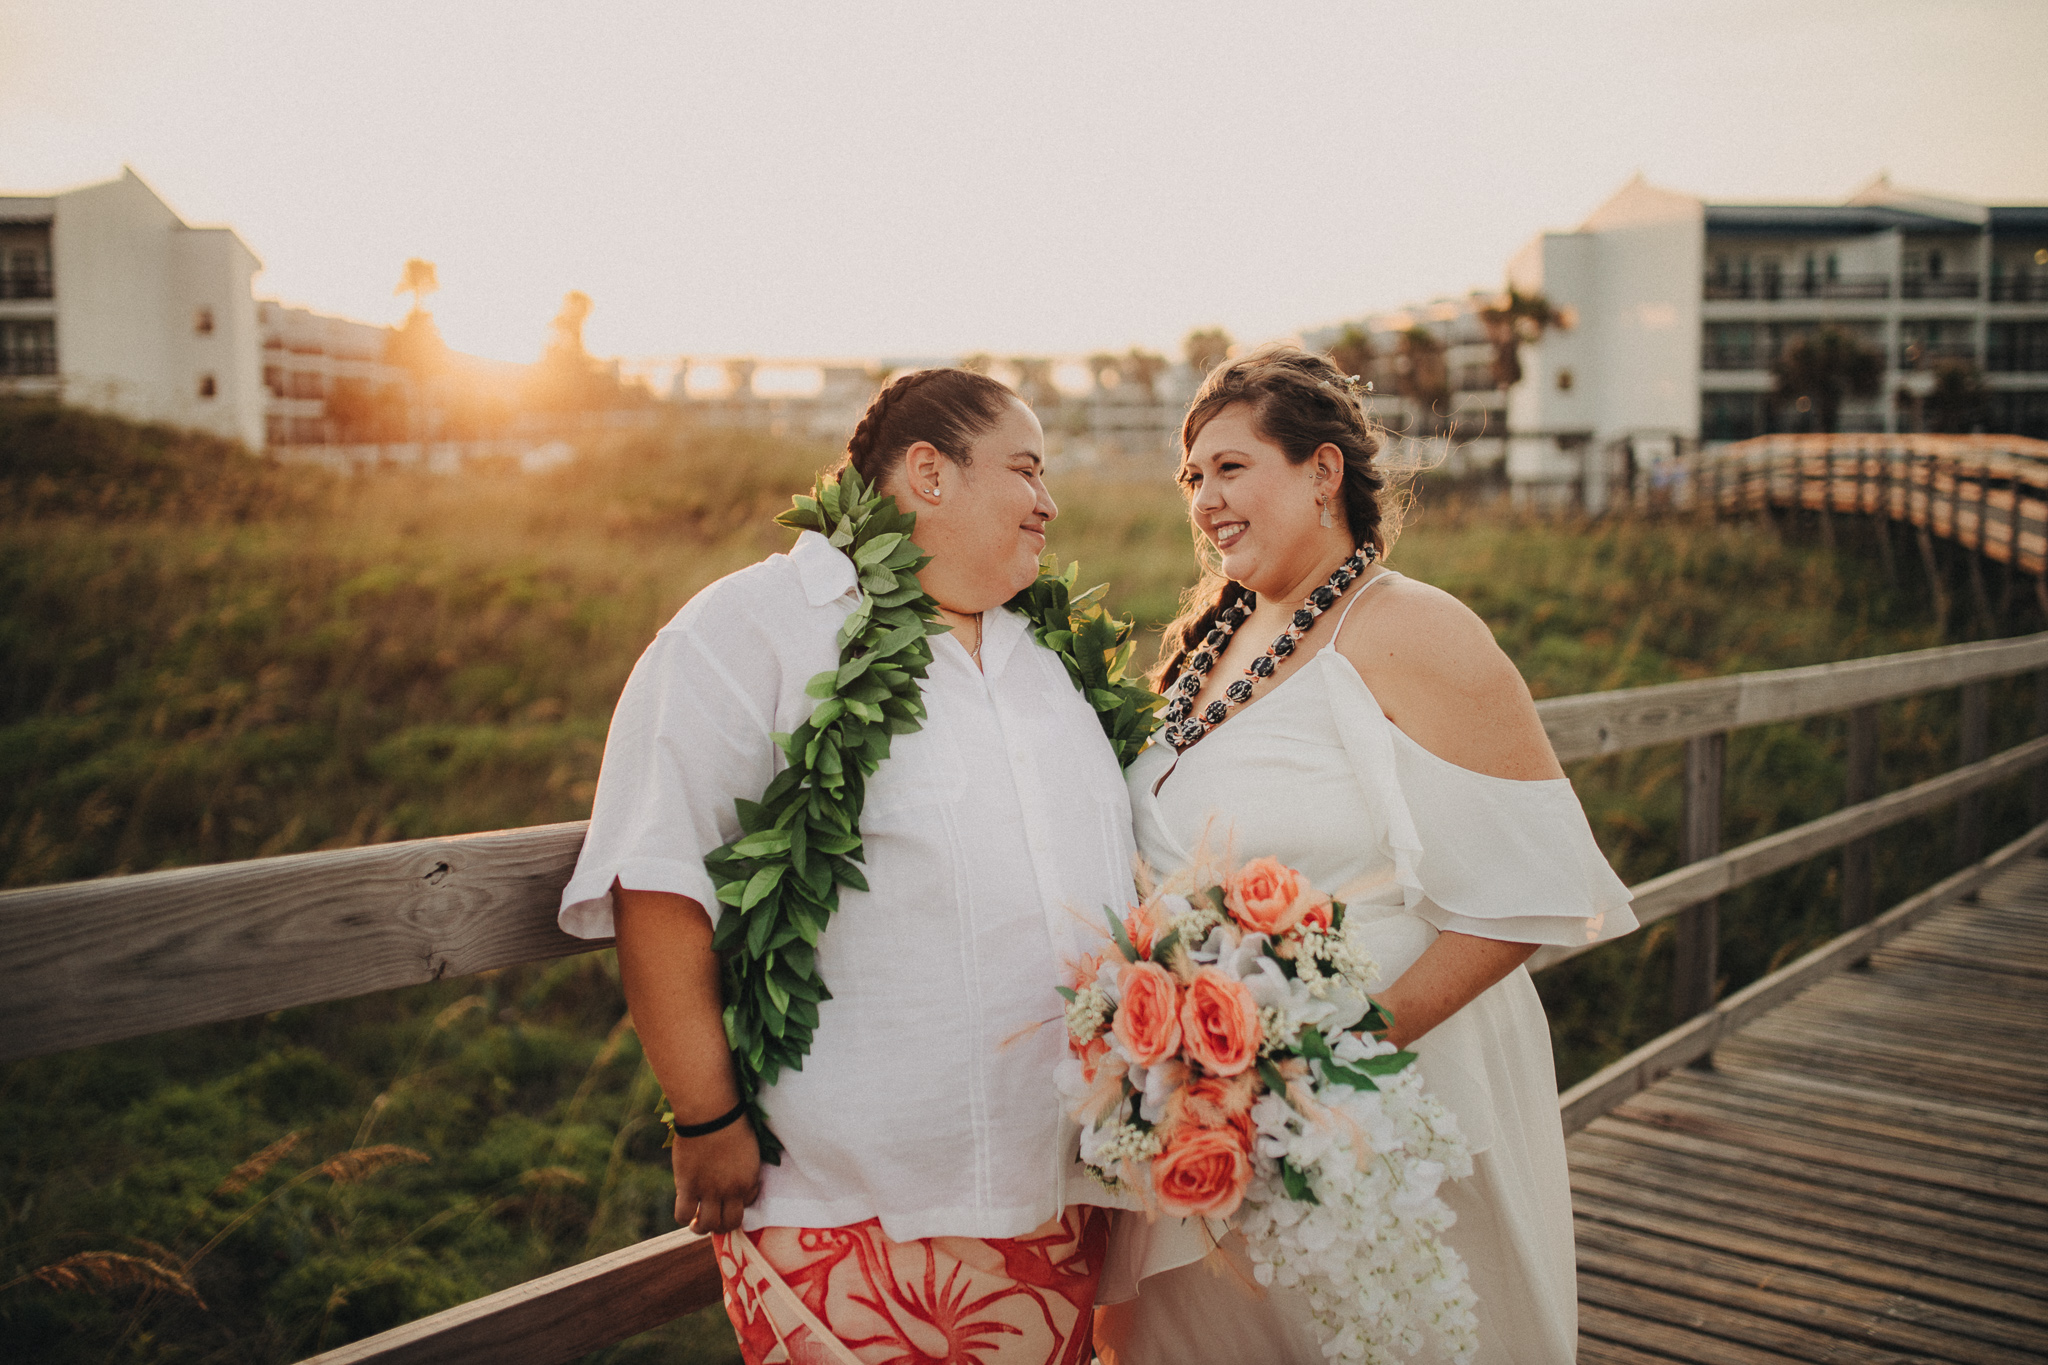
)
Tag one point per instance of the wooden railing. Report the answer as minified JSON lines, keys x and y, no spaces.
{"x":97,"y":961}
{"x":1984,"y":494}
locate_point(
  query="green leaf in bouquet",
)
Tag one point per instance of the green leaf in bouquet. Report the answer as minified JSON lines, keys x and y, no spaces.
{"x":1269,"y":1072}
{"x":1123,"y":939}
{"x":1163,"y":946}
{"x":1296,"y":1184}
{"x":1067,"y":993}
{"x":1344,"y":1075}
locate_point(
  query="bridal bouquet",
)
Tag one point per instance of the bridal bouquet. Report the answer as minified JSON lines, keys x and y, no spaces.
{"x":1224,"y":1067}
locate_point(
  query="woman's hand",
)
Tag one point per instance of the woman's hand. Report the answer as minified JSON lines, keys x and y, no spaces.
{"x":671,"y":980}
{"x":717,"y":1176}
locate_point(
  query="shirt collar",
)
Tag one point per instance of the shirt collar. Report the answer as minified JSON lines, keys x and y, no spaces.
{"x":827,"y":574}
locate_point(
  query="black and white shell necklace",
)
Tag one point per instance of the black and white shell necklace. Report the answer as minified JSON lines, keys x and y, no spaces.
{"x":1183,"y":727}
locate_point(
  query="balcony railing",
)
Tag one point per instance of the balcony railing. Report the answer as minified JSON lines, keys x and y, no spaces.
{"x":2019,"y":289}
{"x":26,"y":284}
{"x":1938,"y":287}
{"x":1772,"y":287}
{"x":1916,"y":355}
{"x":27,"y":364}
{"x":1734,"y":358}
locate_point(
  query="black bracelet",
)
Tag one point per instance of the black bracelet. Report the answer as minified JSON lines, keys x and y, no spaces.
{"x":696,"y":1130}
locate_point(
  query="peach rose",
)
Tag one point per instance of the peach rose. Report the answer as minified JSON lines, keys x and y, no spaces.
{"x":1265,"y":896}
{"x":1148,"y":1019}
{"x":1219,"y":1023}
{"x":1315,"y":910}
{"x":1202,"y":1171}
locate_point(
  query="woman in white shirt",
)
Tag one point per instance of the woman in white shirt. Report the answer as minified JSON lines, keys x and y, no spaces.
{"x":927,"y":1203}
{"x":1394,"y":757}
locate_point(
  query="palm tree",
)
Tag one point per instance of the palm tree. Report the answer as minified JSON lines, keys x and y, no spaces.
{"x":1353,"y":351}
{"x":419,"y":280}
{"x":1205,"y":349}
{"x":1512,"y":320}
{"x":1956,"y":403}
{"x":1034,"y":381}
{"x":1143,"y":368}
{"x":1823,"y":367}
{"x":1423,"y":377}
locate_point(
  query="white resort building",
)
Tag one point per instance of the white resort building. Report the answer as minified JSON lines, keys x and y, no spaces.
{"x":1681,"y":306}
{"x":111,"y":301}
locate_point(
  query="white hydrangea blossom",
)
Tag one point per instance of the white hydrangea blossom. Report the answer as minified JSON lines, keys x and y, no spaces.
{"x":1368,"y":1254}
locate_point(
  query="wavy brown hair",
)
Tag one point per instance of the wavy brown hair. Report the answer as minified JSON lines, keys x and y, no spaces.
{"x":1300,"y":402}
{"x":946,"y":406}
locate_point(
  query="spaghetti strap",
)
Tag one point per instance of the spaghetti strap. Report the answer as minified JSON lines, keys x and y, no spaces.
{"x":1345,"y":614}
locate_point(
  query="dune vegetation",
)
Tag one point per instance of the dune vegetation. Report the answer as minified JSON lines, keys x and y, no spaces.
{"x":208,"y":657}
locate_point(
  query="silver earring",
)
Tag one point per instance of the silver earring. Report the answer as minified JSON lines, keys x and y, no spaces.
{"x":1324,"y":503}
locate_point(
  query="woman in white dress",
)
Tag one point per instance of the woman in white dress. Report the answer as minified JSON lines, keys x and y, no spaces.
{"x":1396,"y":759}
{"x":927,"y":1204}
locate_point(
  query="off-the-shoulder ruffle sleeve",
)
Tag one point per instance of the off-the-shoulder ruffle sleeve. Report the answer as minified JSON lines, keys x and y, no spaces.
{"x":1475,"y":854}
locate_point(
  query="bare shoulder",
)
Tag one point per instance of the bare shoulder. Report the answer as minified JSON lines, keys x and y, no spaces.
{"x":1412,"y":634}
{"x":1440,"y":676}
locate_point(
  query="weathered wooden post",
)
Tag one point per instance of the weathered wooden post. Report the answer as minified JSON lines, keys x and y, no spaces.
{"x":1857,"y":902}
{"x":2037,"y":787}
{"x":1697,"y":945}
{"x":1976,"y":736}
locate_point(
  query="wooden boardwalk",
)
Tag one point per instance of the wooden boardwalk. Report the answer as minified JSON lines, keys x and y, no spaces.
{"x":1862,"y":1177}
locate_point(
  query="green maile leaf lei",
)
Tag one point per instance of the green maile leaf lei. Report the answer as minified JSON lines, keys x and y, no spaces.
{"x":779,"y":881}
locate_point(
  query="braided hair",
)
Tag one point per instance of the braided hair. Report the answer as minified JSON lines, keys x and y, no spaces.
{"x":1301,"y":402}
{"x":945,"y":406}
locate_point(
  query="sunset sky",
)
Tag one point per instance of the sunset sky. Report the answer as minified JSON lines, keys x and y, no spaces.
{"x":910,"y":179}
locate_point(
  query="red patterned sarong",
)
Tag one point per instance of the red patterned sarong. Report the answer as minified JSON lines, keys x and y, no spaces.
{"x":942,"y":1301}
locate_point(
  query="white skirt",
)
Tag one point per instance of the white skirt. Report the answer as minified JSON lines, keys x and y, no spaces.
{"x":1175,"y":1295}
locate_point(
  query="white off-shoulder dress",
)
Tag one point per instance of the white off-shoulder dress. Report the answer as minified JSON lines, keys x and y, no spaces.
{"x":1314,"y":774}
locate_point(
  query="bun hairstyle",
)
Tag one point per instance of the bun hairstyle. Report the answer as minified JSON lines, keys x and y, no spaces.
{"x":1301,"y":402}
{"x":945,"y":406}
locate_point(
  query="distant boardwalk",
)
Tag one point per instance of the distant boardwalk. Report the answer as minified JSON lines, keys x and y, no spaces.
{"x":1862,"y":1177}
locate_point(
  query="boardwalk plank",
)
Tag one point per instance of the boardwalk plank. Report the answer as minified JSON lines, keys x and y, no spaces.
{"x":1793,"y":1225}
{"x":1706,"y":1318}
{"x":1887,"y":1317}
{"x":1862,"y":1175}
{"x":1968,"y":1269}
{"x":1892,"y":1208}
{"x":1600,"y":1325}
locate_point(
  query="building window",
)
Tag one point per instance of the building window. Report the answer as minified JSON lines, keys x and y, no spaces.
{"x":2017,"y":412}
{"x":207,"y":388}
{"x":1729,"y":416}
{"x":273,"y":379}
{"x":25,"y":273}
{"x":202,"y":322}
{"x":306,"y":384}
{"x":1564,"y":381}
{"x":2016,"y":347}
{"x":28,"y":346}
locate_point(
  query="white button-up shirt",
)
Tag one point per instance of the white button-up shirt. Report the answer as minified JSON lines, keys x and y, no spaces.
{"x":993,"y":837}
